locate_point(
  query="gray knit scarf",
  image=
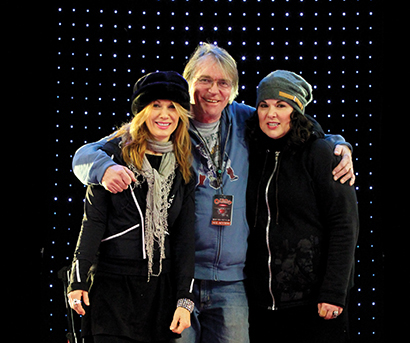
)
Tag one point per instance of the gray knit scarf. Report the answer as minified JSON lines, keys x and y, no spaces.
{"x":159,"y":185}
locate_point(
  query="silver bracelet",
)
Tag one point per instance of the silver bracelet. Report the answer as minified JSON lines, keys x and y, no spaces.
{"x":187,"y":304}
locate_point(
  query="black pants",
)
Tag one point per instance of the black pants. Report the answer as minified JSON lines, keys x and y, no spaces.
{"x":300,"y":324}
{"x":112,"y":339}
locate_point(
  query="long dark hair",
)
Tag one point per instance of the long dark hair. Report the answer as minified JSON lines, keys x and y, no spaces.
{"x":300,"y":130}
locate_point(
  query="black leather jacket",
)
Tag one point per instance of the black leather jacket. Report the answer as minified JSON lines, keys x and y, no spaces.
{"x":303,"y":224}
{"x":112,"y":232}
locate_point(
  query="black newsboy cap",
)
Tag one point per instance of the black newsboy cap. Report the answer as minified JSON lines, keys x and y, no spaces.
{"x":167,"y":85}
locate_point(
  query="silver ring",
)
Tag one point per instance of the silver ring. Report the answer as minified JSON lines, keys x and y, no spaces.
{"x":335,"y":314}
{"x":76,"y":301}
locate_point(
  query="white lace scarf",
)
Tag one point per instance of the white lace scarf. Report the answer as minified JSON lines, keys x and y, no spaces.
{"x":159,"y":185}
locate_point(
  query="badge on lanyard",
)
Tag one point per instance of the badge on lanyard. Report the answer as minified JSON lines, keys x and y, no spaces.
{"x":222,"y":210}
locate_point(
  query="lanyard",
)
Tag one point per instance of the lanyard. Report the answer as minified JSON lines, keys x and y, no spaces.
{"x":218,"y":167}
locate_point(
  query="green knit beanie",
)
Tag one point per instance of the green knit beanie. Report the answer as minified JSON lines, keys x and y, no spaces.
{"x":287,"y":86}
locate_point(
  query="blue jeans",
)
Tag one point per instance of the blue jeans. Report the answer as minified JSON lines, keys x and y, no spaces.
{"x":220,"y":314}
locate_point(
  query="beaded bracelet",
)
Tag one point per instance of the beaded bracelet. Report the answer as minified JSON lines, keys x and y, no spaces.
{"x":187,"y":304}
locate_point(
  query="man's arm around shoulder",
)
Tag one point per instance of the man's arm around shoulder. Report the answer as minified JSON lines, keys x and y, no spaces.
{"x":90,"y":162}
{"x":92,"y":165}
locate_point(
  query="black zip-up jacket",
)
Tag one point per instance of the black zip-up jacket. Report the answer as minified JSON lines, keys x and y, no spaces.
{"x":303,"y":224}
{"x":112,"y":232}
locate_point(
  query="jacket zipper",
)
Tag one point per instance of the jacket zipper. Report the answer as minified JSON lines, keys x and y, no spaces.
{"x":120,"y":233}
{"x":144,"y":254}
{"x":273,"y":307}
{"x":276,"y":188}
{"x":259,"y":188}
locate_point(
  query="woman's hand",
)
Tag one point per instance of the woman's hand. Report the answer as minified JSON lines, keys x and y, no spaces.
{"x":74,"y":299}
{"x":326,"y":310}
{"x":181,"y":321}
{"x":345,"y":167}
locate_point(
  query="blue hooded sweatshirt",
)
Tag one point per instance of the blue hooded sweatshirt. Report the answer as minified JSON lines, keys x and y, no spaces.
{"x":221,"y":250}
